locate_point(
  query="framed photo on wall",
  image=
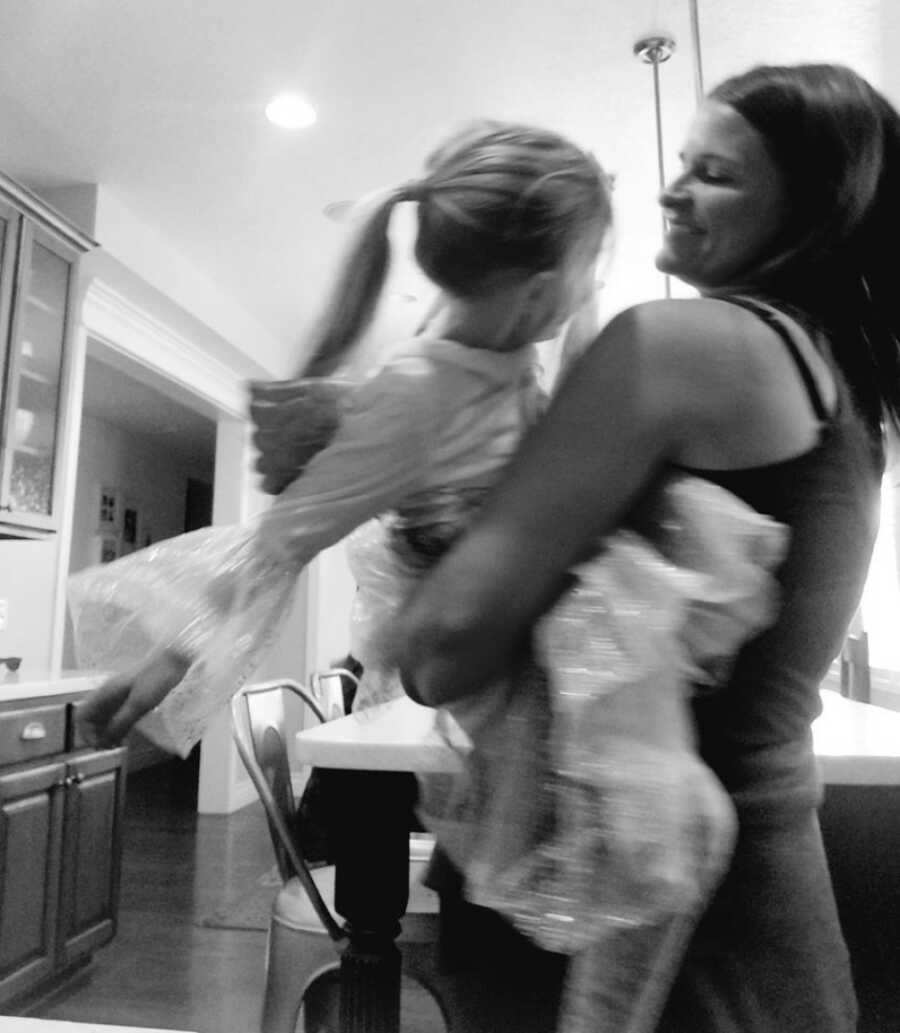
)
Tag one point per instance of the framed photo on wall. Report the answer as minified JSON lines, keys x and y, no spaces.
{"x":107,"y":547}
{"x":108,"y":509}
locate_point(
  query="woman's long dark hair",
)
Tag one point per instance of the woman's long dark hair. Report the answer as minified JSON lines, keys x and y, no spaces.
{"x":836,"y":141}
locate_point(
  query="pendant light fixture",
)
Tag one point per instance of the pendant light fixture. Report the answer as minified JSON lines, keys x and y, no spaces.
{"x":654,"y":51}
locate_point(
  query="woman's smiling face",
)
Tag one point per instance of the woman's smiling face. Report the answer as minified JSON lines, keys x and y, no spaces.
{"x":728,"y":206}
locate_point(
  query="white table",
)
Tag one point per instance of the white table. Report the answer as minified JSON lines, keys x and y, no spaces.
{"x":14,"y":1024}
{"x":396,"y":736}
{"x":368,"y":760}
{"x":365,"y":765}
{"x":855,"y":743}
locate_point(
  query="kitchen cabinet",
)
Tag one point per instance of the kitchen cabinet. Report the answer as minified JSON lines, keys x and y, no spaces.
{"x":60,"y":845}
{"x":39,"y":251}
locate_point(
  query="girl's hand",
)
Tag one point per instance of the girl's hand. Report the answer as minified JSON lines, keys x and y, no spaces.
{"x":122,"y":700}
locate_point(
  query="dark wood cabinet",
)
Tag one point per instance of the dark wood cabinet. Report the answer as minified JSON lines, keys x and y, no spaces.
{"x":60,"y":845}
{"x":31,"y":821}
{"x":92,"y":832}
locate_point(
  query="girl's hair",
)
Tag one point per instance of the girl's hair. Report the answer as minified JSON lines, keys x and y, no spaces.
{"x":836,"y":142}
{"x":497,"y":198}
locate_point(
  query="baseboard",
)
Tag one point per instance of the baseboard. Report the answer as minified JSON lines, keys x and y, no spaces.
{"x":244,"y":794}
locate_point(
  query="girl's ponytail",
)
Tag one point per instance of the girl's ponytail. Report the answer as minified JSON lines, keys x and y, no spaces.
{"x":356,"y":291}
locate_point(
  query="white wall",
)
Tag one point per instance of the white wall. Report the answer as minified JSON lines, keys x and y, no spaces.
{"x":152,"y":264}
{"x":147,"y":475}
{"x":28,"y":584}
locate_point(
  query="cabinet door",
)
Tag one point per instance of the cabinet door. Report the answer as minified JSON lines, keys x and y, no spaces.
{"x":31,"y":815}
{"x":92,"y":852}
{"x":10,"y":224}
{"x":39,"y":327}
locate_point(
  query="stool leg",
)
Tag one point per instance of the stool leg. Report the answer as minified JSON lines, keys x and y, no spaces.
{"x":292,"y":956}
{"x":322,"y":1002}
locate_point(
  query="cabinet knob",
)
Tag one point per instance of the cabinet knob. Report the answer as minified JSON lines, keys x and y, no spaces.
{"x":33,"y":731}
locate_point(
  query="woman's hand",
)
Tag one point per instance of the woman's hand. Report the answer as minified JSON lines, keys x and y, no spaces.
{"x":293,"y":419}
{"x":122,"y":700}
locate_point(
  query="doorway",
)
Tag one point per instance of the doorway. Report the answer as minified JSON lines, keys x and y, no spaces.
{"x":147,"y":449}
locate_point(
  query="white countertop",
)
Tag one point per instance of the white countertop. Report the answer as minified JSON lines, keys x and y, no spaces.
{"x":15,"y":1024}
{"x":855,"y":743}
{"x":398,"y":735}
{"x":33,"y":686}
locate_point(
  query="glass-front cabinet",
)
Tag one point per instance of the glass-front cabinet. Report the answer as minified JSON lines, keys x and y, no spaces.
{"x":38,"y":255}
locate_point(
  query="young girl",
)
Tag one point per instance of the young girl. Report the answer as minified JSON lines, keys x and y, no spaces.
{"x":511,"y":222}
{"x":582,"y":811}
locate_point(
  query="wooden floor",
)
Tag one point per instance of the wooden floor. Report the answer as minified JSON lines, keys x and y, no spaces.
{"x":165,"y":971}
{"x":162,"y":970}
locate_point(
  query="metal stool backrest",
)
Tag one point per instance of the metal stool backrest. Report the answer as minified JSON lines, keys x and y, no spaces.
{"x":327,"y":687}
{"x":258,"y":727}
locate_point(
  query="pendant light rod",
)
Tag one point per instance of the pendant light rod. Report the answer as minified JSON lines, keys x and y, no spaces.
{"x":699,"y":88}
{"x":654,"y":50}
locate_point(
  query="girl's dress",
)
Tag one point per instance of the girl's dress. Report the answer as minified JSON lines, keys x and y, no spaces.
{"x":583,"y":813}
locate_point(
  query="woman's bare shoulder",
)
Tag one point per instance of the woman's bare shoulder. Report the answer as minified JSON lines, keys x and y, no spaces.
{"x":703,"y":349}
{"x":690,"y":328}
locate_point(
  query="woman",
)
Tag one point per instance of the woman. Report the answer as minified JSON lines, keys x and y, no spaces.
{"x":774,"y":384}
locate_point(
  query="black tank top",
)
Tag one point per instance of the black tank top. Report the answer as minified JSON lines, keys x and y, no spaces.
{"x":755,"y":732}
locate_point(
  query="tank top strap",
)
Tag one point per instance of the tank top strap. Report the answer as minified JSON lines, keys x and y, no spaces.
{"x":771,"y":317}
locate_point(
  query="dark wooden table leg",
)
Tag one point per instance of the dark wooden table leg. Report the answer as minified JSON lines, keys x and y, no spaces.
{"x":370,"y":812}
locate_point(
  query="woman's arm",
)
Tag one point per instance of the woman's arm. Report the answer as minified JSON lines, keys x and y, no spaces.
{"x":649,"y":383}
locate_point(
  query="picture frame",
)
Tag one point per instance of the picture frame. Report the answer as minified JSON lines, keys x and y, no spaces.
{"x":108,"y":548}
{"x":109,"y":509}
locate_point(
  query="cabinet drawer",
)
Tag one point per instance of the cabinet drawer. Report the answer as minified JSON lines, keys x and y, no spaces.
{"x":32,"y":732}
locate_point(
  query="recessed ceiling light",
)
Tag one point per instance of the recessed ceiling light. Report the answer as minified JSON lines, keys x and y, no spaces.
{"x":290,"y":111}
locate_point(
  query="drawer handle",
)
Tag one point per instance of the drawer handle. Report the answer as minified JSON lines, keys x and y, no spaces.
{"x":33,"y":731}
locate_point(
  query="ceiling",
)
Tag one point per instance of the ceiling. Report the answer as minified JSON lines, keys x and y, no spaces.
{"x":161,"y":102}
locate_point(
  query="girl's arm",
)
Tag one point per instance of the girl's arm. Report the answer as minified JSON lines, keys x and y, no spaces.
{"x":647,"y":386}
{"x":377,"y":457}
